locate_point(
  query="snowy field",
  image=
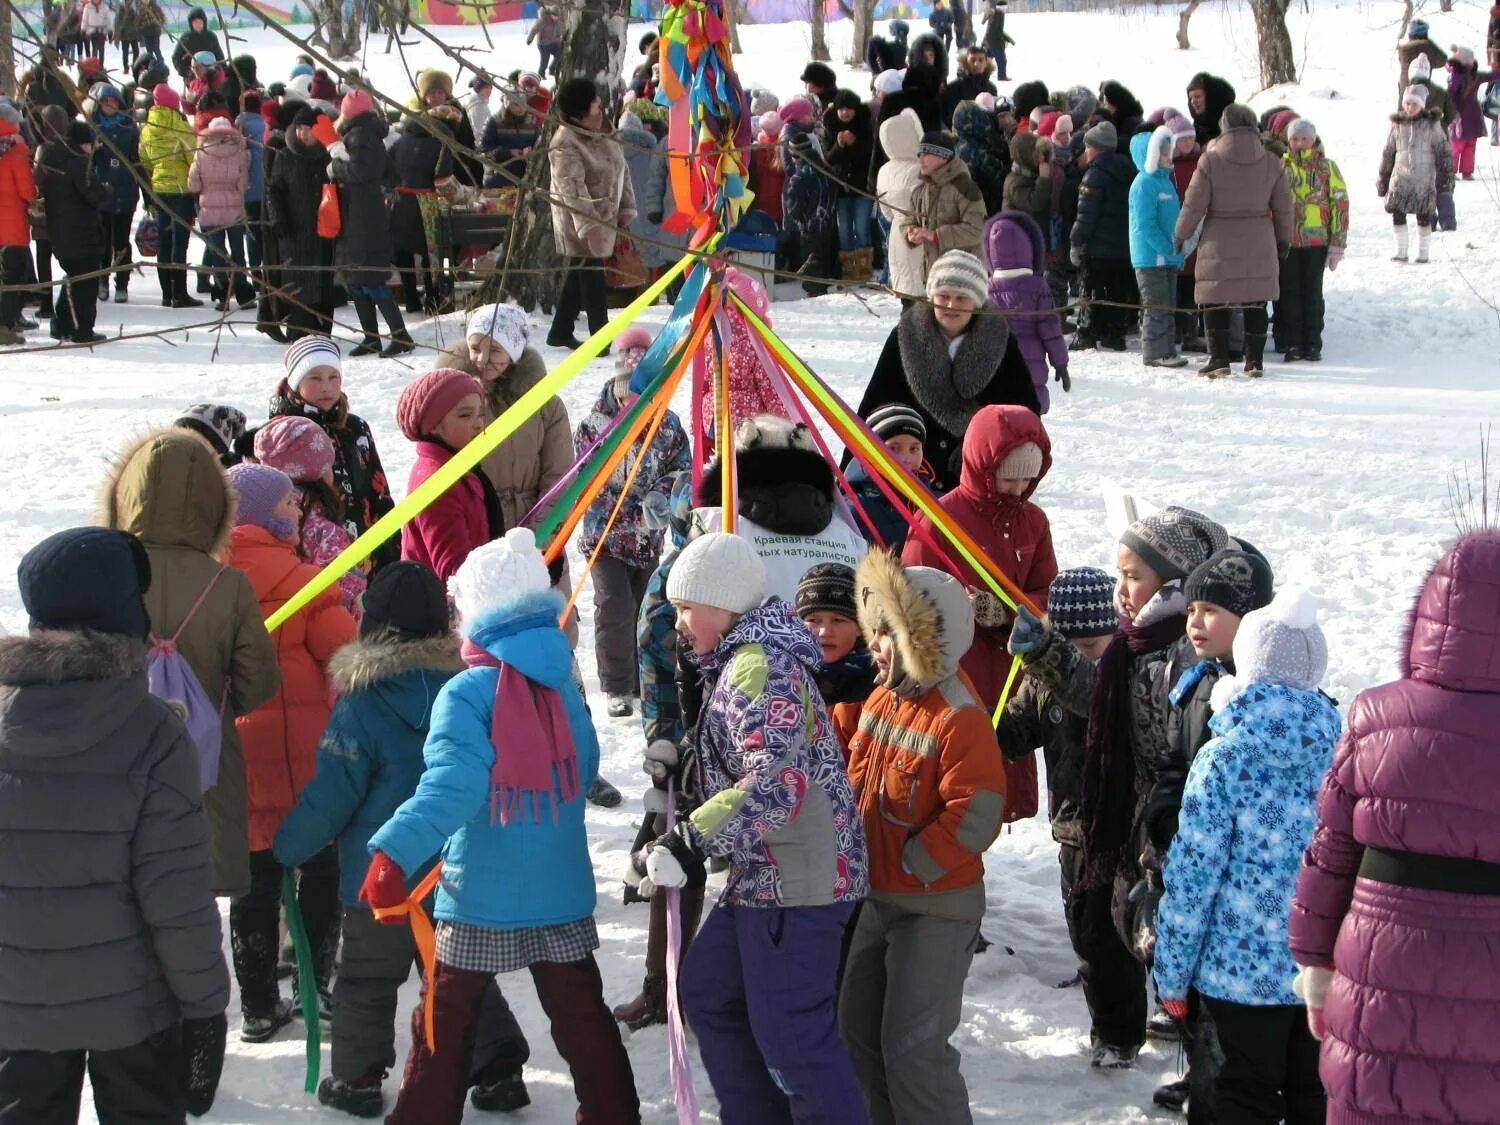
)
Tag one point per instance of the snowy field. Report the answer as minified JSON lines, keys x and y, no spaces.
{"x":1339,"y":472}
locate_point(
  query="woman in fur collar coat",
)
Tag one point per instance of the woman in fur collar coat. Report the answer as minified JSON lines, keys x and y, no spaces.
{"x":948,"y":357}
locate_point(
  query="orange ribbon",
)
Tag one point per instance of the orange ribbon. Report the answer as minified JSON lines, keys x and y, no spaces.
{"x":426,"y":940}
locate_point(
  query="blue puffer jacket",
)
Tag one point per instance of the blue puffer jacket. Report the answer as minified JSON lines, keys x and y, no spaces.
{"x":253,"y":125}
{"x":118,"y":170}
{"x":533,"y":871}
{"x":1153,"y":203}
{"x":370,"y":755}
{"x":1248,"y":812}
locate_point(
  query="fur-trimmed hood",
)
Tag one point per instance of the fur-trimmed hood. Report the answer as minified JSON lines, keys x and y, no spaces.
{"x":925,"y":612}
{"x":169,"y":489}
{"x":370,"y":661}
{"x":785,"y":485}
{"x":940,"y":53}
{"x":66,"y":692}
{"x":60,"y":656}
{"x":1432,"y":113}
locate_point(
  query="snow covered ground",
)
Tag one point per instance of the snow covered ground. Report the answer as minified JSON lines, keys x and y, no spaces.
{"x":1338,"y":472}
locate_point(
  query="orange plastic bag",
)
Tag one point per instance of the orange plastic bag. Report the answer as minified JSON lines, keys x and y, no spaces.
{"x":329,"y":220}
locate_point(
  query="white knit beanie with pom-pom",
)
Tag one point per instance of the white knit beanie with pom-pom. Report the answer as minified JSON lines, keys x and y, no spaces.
{"x":719,"y":570}
{"x":503,"y":571}
{"x":1282,"y":643}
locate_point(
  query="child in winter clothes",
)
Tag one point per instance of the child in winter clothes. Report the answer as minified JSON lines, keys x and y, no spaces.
{"x":17,"y":190}
{"x":897,"y":179}
{"x":777,"y":805}
{"x":1319,"y":235}
{"x":1416,"y":166}
{"x":219,"y":176}
{"x":1099,"y":246}
{"x":1248,"y":813}
{"x":1013,"y":251}
{"x":72,"y":196}
{"x":751,"y":392}
{"x":167,"y":144}
{"x":767,"y":173}
{"x":301,"y":450}
{"x":931,"y":795}
{"x":369,"y":762}
{"x":982,"y":148}
{"x":440,"y":413}
{"x":1028,"y":188}
{"x":632,"y":546}
{"x":826,"y":604}
{"x":904,"y":434}
{"x":117,"y":163}
{"x":223,"y":427}
{"x":947,"y":208}
{"x":1080,"y":606}
{"x":809,"y":211}
{"x":510,"y":752}
{"x":1154,"y":206}
{"x":281,"y":740}
{"x":1464,"y":80}
{"x":313,"y":387}
{"x":110,"y":956}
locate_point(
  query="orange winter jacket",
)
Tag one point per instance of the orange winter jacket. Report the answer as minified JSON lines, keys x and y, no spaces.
{"x":929,"y":782}
{"x":281,"y":738}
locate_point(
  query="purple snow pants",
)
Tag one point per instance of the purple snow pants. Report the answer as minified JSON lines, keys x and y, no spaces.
{"x":758,"y":990}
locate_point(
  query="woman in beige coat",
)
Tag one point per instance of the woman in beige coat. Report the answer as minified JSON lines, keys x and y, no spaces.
{"x":592,"y":201}
{"x":1240,"y":200}
{"x":170,"y":491}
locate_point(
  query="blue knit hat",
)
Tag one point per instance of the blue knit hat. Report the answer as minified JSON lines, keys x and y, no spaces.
{"x":1081,"y":603}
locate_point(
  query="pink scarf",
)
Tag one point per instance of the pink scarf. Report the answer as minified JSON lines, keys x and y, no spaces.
{"x":537,"y":739}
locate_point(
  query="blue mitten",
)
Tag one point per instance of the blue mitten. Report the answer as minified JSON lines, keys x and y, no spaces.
{"x":1027,"y":634}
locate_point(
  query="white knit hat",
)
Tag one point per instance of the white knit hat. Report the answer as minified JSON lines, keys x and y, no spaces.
{"x":1416,"y":94}
{"x":1025,"y":460}
{"x":719,"y":570}
{"x":1282,"y":643}
{"x":502,"y":571}
{"x":958,"y":271}
{"x":307,"y":353}
{"x":505,"y":324}
{"x":888,"y":82}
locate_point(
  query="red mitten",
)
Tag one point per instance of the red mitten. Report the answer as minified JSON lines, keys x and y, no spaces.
{"x":384,"y":888}
{"x":1177,"y":1009}
{"x":325,"y":132}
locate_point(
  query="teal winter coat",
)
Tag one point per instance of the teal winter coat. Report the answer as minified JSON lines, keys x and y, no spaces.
{"x":1153,"y":204}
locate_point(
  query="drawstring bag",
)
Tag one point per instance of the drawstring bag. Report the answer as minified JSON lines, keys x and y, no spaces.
{"x":147,"y":237}
{"x":330,"y":223}
{"x":171,"y":679}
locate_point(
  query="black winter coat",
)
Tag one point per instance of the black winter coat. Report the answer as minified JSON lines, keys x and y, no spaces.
{"x":65,"y":180}
{"x":118,"y":169}
{"x":420,"y":156}
{"x":504,"y":136}
{"x":192,"y":41}
{"x":1186,"y":733}
{"x":886,"y":54}
{"x":920,"y":93}
{"x":1036,"y":717}
{"x":1102,"y":229}
{"x":364,"y":252}
{"x":965,"y":88}
{"x":294,"y":188}
{"x":850,"y":163}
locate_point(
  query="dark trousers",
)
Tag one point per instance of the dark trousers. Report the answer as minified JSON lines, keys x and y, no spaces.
{"x":77,"y":301}
{"x":618,"y":590}
{"x":254,"y":925}
{"x":174,"y":221}
{"x":1270,"y":1070}
{"x":137,"y":1085}
{"x":1107,"y":281}
{"x":572,"y":995}
{"x":226,"y":245}
{"x":44,"y":277}
{"x":406,"y":266}
{"x":1219,"y":318}
{"x":1186,"y":315}
{"x":582,"y":291}
{"x":255,"y":252}
{"x":548,"y":56}
{"x":15,"y":266}
{"x":1114,"y":982}
{"x":1299,"y":312}
{"x":116,"y":227}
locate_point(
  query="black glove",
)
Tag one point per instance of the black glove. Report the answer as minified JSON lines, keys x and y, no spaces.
{"x":1283,"y":250}
{"x":1062,"y":377}
{"x":673,"y":860}
{"x":202,"y":1061}
{"x":654,"y":217}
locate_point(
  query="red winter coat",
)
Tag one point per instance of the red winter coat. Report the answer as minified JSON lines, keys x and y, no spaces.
{"x":281,"y":738}
{"x":1413,"y":1011}
{"x":765,"y":178}
{"x":17,"y":187}
{"x":442,"y":534}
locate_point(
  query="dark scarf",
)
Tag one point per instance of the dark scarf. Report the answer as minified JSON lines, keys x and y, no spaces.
{"x":1107,"y":799}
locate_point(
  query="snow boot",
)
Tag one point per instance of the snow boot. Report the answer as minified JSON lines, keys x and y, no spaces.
{"x":619,"y":707}
{"x":505,"y":1095}
{"x":1424,"y":244}
{"x":603,"y":794}
{"x":122,"y":295}
{"x":401,"y":341}
{"x":370,"y":324}
{"x":359,"y":1098}
{"x":650,"y":1007}
{"x":1255,"y":354}
{"x":1105,"y":1056}
{"x":260,"y":1027}
{"x":1403,"y":243}
{"x":1171,"y":1095}
{"x":1217,"y":365}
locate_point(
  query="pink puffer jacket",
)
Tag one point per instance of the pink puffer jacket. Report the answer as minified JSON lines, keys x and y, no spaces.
{"x":1413,"y":1013}
{"x":220,"y":174}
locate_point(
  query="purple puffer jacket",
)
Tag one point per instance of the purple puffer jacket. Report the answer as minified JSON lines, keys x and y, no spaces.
{"x":1464,"y":83}
{"x":1015,"y":253}
{"x":1413,"y":1012}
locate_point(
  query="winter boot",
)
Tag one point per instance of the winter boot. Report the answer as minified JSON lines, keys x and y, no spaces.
{"x":650,"y":1007}
{"x":1255,"y":354}
{"x":370,"y":324}
{"x":1172,"y":1095}
{"x":360,"y":1098}
{"x":854,"y":266}
{"x":1217,"y":365}
{"x":260,"y":1027}
{"x":603,"y":794}
{"x":1424,"y":244}
{"x":504,"y":1095}
{"x":401,"y":341}
{"x":122,"y":295}
{"x":1403,"y":243}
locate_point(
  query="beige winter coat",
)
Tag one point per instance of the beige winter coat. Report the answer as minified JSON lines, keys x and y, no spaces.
{"x":169,"y":489}
{"x":592,"y":184}
{"x":1241,"y":197}
{"x":894,"y":183}
{"x":949,"y":202}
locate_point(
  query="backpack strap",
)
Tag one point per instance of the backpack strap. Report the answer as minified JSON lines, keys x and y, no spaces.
{"x":197,"y":605}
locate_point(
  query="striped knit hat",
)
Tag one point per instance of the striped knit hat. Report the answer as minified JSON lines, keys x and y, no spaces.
{"x":894,"y":419}
{"x":935,"y":142}
{"x":307,"y":353}
{"x":827,"y":588}
{"x":958,"y":271}
{"x":1081,"y":603}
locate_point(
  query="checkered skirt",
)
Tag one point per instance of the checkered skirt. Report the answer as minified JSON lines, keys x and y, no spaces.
{"x":484,"y":950}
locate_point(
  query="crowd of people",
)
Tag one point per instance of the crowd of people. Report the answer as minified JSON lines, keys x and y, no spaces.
{"x":827,"y":715}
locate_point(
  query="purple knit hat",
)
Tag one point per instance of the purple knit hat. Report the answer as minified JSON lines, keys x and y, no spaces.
{"x":259,"y":488}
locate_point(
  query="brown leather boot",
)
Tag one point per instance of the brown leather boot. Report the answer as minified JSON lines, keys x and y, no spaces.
{"x":650,"y":1007}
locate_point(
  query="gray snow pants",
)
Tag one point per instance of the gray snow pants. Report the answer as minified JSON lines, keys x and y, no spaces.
{"x":1158,"y":287}
{"x":902,"y":996}
{"x":618,"y":590}
{"x":374,"y":964}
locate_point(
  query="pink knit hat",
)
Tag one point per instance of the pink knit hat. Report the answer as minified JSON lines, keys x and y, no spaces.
{"x":770,"y":124}
{"x":355,"y":102}
{"x":749,"y":290}
{"x":427,"y":399}
{"x":298,"y":446}
{"x":632,"y":338}
{"x":162,"y":94}
{"x":797,"y":109}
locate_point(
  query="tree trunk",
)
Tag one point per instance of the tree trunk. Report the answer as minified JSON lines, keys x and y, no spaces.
{"x":1274,"y":42}
{"x":862,"y":16}
{"x":819,"y":36}
{"x":733,"y":13}
{"x":1182,"y":24}
{"x":342,"y":36}
{"x":7,"y":57}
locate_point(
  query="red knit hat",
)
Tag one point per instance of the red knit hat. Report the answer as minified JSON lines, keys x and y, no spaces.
{"x":427,"y":399}
{"x":355,"y":102}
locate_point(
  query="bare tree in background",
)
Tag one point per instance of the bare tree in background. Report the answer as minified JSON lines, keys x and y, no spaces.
{"x":344,"y":37}
{"x":1274,"y":42}
{"x":819,"y":31}
{"x":734,"y":12}
{"x":7,"y":56}
{"x":861,"y":14}
{"x":1182,"y":24}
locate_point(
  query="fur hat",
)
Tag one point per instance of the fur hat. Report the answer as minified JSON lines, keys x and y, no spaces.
{"x":502,"y":571}
{"x":925,"y":612}
{"x":1415,"y":94}
{"x":819,"y":74}
{"x":1282,"y":643}
{"x":895,"y":419}
{"x":405,"y":601}
{"x":1102,"y":137}
{"x":258,"y":490}
{"x":958,"y":271}
{"x":827,"y":588}
{"x":221,"y":426}
{"x":307,"y":353}
{"x":785,"y":484}
{"x":1174,"y":541}
{"x":935,"y":142}
{"x":576,"y":97}
{"x":1239,"y":581}
{"x":1022,"y":462}
{"x":434,"y":79}
{"x":719,"y":570}
{"x":426,"y":400}
{"x":506,"y":325}
{"x":296,"y":445}
{"x":87,"y":578}
{"x":1081,"y":603}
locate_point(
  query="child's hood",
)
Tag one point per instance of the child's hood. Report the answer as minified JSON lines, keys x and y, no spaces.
{"x":1146,"y":149}
{"x":900,"y":135}
{"x":973,"y":123}
{"x":925,"y":612}
{"x":170,"y":490}
{"x":1023,"y":150}
{"x":405,"y":674}
{"x":1012,"y":240}
{"x":775,"y":629}
{"x":64,"y":692}
{"x":994,"y":433}
{"x":1294,"y":730}
{"x":524,"y":633}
